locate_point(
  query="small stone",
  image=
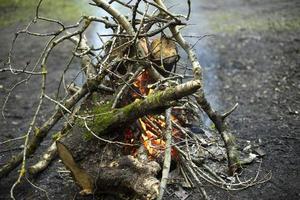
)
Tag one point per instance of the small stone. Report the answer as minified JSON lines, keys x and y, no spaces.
{"x":291,"y":112}
{"x":14,"y":123}
{"x":251,"y":157}
{"x":259,"y":152}
{"x":181,"y":193}
{"x":18,"y":96}
{"x":259,"y":141}
{"x":247,"y":148}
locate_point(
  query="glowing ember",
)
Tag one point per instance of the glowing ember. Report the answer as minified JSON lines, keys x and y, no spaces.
{"x":152,"y":142}
{"x":141,"y":84}
{"x":151,"y":126}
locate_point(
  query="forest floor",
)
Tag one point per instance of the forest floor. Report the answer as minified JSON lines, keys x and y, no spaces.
{"x":253,"y":59}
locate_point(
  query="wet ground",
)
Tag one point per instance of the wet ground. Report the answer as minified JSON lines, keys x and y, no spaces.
{"x":253,"y":59}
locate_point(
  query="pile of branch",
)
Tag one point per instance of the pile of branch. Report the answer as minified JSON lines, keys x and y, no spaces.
{"x":139,"y":43}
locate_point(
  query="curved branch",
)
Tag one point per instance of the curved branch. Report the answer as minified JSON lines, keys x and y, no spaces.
{"x":218,"y":119}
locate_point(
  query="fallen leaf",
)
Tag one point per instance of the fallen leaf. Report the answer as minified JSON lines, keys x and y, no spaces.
{"x":81,"y":177}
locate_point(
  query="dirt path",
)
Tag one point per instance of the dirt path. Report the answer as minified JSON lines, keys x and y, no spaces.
{"x":259,"y":67}
{"x":254,"y":60}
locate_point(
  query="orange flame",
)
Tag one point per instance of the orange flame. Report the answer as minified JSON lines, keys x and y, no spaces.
{"x":141,"y":84}
{"x":151,"y":125}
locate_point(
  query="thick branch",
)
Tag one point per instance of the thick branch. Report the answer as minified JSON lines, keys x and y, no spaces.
{"x":41,"y":133}
{"x":115,"y":13}
{"x":130,"y":176}
{"x":129,"y":29}
{"x":103,"y":122}
{"x":47,"y":157}
{"x":106,"y":120}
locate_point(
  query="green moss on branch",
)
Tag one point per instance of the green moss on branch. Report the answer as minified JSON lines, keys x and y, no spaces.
{"x":104,"y":119}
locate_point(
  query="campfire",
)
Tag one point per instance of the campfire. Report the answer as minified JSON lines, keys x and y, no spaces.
{"x":151,"y":127}
{"x":136,"y":113}
{"x":151,"y":140}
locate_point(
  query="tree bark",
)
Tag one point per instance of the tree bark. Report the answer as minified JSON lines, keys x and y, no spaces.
{"x":87,"y":139}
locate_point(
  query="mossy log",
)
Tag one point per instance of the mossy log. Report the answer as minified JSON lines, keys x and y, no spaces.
{"x":105,"y":122}
{"x":118,"y":172}
{"x":103,"y":119}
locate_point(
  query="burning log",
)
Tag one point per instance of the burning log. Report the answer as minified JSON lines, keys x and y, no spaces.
{"x":100,"y":122}
{"x":115,"y":138}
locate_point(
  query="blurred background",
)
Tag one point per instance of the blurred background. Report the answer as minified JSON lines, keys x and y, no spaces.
{"x":251,"y":55}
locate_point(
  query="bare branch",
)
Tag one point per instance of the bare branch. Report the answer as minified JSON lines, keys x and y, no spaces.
{"x":167,"y":158}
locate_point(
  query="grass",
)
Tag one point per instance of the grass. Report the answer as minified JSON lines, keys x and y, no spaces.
{"x":232,"y":22}
{"x":21,"y":11}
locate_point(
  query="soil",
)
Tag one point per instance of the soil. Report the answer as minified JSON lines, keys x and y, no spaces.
{"x":253,"y":59}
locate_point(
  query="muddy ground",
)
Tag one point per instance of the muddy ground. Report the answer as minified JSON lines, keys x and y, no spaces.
{"x":253,"y":59}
